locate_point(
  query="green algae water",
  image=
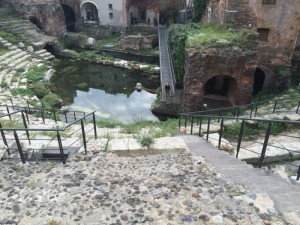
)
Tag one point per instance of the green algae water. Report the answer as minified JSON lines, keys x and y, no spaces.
{"x":107,"y":90}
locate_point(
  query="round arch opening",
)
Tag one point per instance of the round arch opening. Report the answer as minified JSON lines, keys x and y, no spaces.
{"x":220,"y":90}
{"x":70,"y":17}
{"x":36,"y":22}
{"x":259,"y":79}
{"x":89,"y":12}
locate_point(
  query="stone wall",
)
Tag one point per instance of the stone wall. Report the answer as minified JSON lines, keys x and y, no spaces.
{"x":295,"y":68}
{"x":202,"y":65}
{"x":280,"y":20}
{"x":48,"y":15}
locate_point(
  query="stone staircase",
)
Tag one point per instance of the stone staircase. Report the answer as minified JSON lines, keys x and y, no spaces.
{"x":285,"y":196}
{"x":11,"y":22}
{"x":18,"y":59}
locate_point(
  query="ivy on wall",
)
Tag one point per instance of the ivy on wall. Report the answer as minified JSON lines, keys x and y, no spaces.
{"x":199,"y":9}
{"x":178,"y":35}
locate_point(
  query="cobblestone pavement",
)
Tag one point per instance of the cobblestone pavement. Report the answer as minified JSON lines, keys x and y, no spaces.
{"x":103,"y":188}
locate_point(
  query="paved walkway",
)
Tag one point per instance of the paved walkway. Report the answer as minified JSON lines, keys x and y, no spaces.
{"x":286,"y":196}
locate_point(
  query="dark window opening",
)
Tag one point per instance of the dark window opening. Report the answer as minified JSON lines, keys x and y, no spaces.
{"x":259,"y":79}
{"x":263,"y":34}
{"x":111,"y":15}
{"x":269,"y":2}
{"x":110,"y":6}
{"x":70,"y":17}
{"x":36,"y":22}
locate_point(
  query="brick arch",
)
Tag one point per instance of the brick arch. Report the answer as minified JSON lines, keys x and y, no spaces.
{"x":222,"y":86}
{"x":76,"y":8}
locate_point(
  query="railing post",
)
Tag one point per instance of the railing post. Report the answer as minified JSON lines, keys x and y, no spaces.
{"x":4,"y":138}
{"x":179,"y":122}
{"x":298,"y":173}
{"x":207,"y":132}
{"x":61,"y":150}
{"x":26,"y":114}
{"x":297,"y":111}
{"x":66,"y":118}
{"x":251,"y":110}
{"x":74,"y":116}
{"x":185,"y":121}
{"x":83,"y":135}
{"x":200,"y":125}
{"x":237,"y":113}
{"x":255,"y":110}
{"x":275,"y":105}
{"x":43,"y":117}
{"x":221,"y":133}
{"x":84,"y":116}
{"x":192,"y":123}
{"x":25,"y":125}
{"x":263,"y":152}
{"x":7,"y":109}
{"x":12,"y":104}
{"x":95,"y":127}
{"x":240,"y":139}
{"x":54,"y":114}
{"x":19,"y":147}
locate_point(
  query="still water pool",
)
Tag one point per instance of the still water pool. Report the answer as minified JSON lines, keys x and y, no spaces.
{"x":109,"y":91}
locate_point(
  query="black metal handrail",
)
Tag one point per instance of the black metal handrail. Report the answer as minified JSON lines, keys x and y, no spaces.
{"x":211,"y":119}
{"x":57,"y":130}
{"x":253,"y":107}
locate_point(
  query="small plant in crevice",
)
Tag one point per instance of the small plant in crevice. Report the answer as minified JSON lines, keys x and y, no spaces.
{"x":53,"y":222}
{"x":146,"y":140}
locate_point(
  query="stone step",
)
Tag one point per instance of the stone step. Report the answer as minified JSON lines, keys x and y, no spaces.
{"x":41,"y":51}
{"x":19,"y":60}
{"x":9,"y":54}
{"x":13,"y":58}
{"x":23,"y":64}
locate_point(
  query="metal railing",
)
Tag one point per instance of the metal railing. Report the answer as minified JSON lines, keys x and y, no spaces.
{"x":66,"y":116}
{"x":60,"y":151}
{"x":264,"y":129}
{"x":253,"y":109}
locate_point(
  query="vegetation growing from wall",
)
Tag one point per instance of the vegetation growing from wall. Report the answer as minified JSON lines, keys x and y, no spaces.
{"x":199,"y":9}
{"x":202,"y":36}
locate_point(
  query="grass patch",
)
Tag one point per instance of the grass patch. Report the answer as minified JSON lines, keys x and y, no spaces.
{"x":11,"y":124}
{"x":9,"y":37}
{"x":36,"y":73}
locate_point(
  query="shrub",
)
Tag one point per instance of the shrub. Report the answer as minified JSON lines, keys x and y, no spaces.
{"x":21,"y":91}
{"x":49,"y":100}
{"x":145,"y":140}
{"x":40,"y":89}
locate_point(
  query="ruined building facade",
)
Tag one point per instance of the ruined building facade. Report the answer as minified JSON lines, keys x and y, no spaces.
{"x":277,"y":23}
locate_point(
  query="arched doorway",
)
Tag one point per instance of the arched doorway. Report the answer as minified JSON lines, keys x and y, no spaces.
{"x":70,"y":17}
{"x":259,"y":79}
{"x":89,"y":12}
{"x":220,"y":91}
{"x":49,"y":48}
{"x":36,"y":22}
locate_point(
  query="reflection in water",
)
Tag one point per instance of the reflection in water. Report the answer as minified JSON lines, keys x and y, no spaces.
{"x":119,"y":106}
{"x":108,"y":91}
